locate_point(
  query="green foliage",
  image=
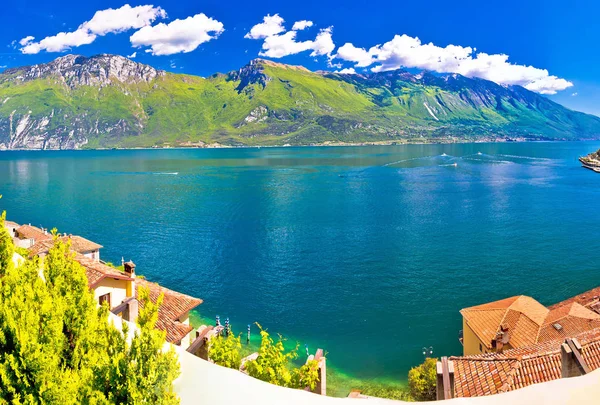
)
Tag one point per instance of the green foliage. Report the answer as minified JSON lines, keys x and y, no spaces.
{"x":307,"y":375}
{"x":225,"y":351}
{"x":274,"y":365}
{"x":388,"y":391}
{"x":57,"y":346}
{"x":422,"y":381}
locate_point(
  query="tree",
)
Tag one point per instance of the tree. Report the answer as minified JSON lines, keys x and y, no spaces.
{"x":225,"y":351}
{"x":57,"y":345}
{"x":422,"y":381}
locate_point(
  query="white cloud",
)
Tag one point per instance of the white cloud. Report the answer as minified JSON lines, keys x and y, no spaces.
{"x":25,"y":40}
{"x":132,"y":56}
{"x":346,"y":71}
{"x":179,"y":36}
{"x":406,"y":51}
{"x":278,"y":46}
{"x":575,"y":94}
{"x":59,"y":42}
{"x":102,"y":23}
{"x":123,"y":19}
{"x":271,"y":25}
{"x":279,"y":43}
{"x":301,"y":25}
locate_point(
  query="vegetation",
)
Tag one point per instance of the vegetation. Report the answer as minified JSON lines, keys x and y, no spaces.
{"x":225,"y":351}
{"x":422,"y":381}
{"x":389,"y":391}
{"x":269,"y":104}
{"x":58,"y":347}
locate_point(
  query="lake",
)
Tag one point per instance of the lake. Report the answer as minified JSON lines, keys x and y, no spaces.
{"x":367,"y":252}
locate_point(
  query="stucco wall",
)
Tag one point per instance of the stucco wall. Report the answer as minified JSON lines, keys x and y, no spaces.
{"x":470,"y":341}
{"x":116,"y":288}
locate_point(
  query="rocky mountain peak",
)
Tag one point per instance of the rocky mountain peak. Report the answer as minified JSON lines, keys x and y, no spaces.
{"x":99,"y":70}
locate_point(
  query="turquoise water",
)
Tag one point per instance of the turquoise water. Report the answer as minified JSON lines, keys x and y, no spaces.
{"x":367,"y":252}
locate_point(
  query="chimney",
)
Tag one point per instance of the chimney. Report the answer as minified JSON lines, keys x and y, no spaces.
{"x":129,"y":268}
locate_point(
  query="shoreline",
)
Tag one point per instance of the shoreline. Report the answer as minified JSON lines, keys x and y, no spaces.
{"x":316,"y":145}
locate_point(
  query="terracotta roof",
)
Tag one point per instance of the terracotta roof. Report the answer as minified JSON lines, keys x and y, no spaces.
{"x":517,"y":368}
{"x":11,"y":224}
{"x":32,"y":232}
{"x":526,"y":321}
{"x":78,"y":244}
{"x":96,"y":271}
{"x":174,"y":305}
{"x":586,"y":299}
{"x":521,"y":316}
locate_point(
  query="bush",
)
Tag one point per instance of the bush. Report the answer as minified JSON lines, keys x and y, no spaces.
{"x":274,"y":365}
{"x":422,"y":381}
{"x":225,"y":351}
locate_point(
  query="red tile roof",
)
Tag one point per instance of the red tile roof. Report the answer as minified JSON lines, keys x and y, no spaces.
{"x":527,"y":322}
{"x":32,"y":232}
{"x":78,"y":244}
{"x":517,"y":368}
{"x":96,"y":271}
{"x":174,"y":305}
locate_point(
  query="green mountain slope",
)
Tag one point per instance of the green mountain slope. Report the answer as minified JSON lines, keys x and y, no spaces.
{"x":110,"y":101}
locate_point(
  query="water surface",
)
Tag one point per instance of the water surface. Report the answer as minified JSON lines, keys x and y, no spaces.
{"x":368,"y":252}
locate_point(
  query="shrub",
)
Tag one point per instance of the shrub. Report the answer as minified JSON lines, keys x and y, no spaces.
{"x":422,"y":381}
{"x":225,"y":351}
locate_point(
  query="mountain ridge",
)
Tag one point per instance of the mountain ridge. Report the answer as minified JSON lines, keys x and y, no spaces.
{"x":108,"y":101}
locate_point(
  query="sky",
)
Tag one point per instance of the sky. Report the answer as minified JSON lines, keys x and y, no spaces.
{"x":550,"y":47}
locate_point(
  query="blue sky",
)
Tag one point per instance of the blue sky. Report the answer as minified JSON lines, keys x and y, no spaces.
{"x":549,"y":46}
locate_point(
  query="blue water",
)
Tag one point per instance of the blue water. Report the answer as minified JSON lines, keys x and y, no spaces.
{"x":368,"y":252}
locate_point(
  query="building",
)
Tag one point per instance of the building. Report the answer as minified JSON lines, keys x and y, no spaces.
{"x":495,"y":373}
{"x":83,"y":246}
{"x":108,"y":284}
{"x":173,"y":314}
{"x":26,"y":236}
{"x":119,"y":289}
{"x":522,"y":321}
{"x":11,"y":227}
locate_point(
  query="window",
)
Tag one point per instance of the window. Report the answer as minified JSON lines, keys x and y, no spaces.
{"x":480,"y":348}
{"x":106,"y":298}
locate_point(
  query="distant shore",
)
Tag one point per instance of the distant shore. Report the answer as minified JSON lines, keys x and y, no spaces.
{"x":423,"y":141}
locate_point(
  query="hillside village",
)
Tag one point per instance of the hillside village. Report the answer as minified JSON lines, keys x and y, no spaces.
{"x":507,"y":344}
{"x":119,"y":289}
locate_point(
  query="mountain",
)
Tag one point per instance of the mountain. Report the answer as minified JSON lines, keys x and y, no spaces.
{"x":110,"y":101}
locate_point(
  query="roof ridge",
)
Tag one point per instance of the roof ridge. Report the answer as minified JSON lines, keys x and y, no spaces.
{"x":511,"y":376}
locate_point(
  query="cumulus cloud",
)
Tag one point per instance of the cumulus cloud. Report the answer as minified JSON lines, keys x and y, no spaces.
{"x":179,"y":36}
{"x":132,"y":56}
{"x":346,"y":71}
{"x":302,"y":25}
{"x":25,"y":40}
{"x":59,"y":42}
{"x":406,"y":51}
{"x":271,"y":25}
{"x":103,"y":22}
{"x":123,"y":19}
{"x":279,"y":43}
{"x":574,"y":94}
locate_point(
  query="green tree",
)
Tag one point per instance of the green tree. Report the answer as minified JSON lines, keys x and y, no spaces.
{"x":225,"y":351}
{"x":422,"y":381}
{"x":58,"y":347}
